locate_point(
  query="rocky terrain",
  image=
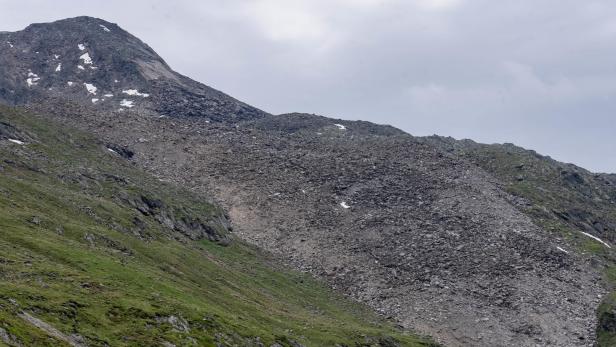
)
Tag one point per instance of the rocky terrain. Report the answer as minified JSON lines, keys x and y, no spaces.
{"x":96,"y":252}
{"x":429,"y":232}
{"x":563,"y":198}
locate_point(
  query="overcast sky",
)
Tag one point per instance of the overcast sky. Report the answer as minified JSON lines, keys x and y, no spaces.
{"x":538,"y":73}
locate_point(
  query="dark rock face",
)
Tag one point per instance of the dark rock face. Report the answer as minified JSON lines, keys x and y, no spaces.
{"x":411,"y":228}
{"x":7,"y":131}
{"x":187,"y":224}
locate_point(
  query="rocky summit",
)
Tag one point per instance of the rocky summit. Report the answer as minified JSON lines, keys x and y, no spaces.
{"x":473,"y":245}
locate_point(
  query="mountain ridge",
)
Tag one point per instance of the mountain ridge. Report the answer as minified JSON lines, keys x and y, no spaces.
{"x":420,"y":233}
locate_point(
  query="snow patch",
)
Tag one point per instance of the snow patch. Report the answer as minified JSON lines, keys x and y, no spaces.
{"x":70,"y":84}
{"x":91,"y":88}
{"x":56,"y":56}
{"x":135,"y":92}
{"x":59,"y":67}
{"x":561,"y":249}
{"x":108,"y":95}
{"x":104,"y":28}
{"x":111,"y":150}
{"x":597,"y":239}
{"x":94,"y":101}
{"x":340,"y":126}
{"x":86,"y":58}
{"x":10,"y":44}
{"x":81,"y":47}
{"x":16,"y":141}
{"x":80,"y":67}
{"x":32,"y":79}
{"x":126,"y":103}
{"x":344,"y":205}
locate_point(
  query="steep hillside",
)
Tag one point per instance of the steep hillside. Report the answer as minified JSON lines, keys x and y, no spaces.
{"x":424,"y":236}
{"x":94,"y":252}
{"x":572,"y":202}
{"x":382,"y":217}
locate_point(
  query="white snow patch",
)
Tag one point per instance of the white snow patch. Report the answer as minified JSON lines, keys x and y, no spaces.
{"x":94,"y":101}
{"x":10,"y":44}
{"x":115,"y":81}
{"x":340,"y":126}
{"x":135,"y":92}
{"x":561,"y":249}
{"x":93,"y":68}
{"x":16,"y":141}
{"x":32,"y":79}
{"x":597,"y":239}
{"x":80,"y":67}
{"x":108,"y":95}
{"x":56,"y":56}
{"x":104,"y":28}
{"x":70,"y":84}
{"x":59,"y":67}
{"x":111,"y":150}
{"x":81,"y":47}
{"x":86,"y":58}
{"x":344,"y":205}
{"x":127,"y":103}
{"x":91,"y":88}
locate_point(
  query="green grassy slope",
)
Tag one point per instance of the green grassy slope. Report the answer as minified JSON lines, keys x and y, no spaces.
{"x":97,"y":249}
{"x":562,"y":198}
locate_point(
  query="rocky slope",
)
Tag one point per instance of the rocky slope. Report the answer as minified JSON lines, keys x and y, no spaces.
{"x":95,"y":252}
{"x":568,"y":200}
{"x":421,"y":234}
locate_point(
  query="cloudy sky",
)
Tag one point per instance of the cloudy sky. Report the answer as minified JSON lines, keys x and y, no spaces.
{"x":539,"y":73}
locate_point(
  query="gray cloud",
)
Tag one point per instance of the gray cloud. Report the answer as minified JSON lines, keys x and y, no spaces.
{"x":538,"y":73}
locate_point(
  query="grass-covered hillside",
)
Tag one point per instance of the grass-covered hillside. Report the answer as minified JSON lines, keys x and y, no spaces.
{"x":575,"y":204}
{"x":94,"y":252}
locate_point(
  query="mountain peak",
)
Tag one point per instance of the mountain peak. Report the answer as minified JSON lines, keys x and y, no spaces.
{"x":98,"y":64}
{"x":82,"y":22}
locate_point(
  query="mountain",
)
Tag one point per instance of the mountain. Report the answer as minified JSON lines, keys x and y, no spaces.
{"x":95,"y":252}
{"x":91,"y":61}
{"x":429,"y":232}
